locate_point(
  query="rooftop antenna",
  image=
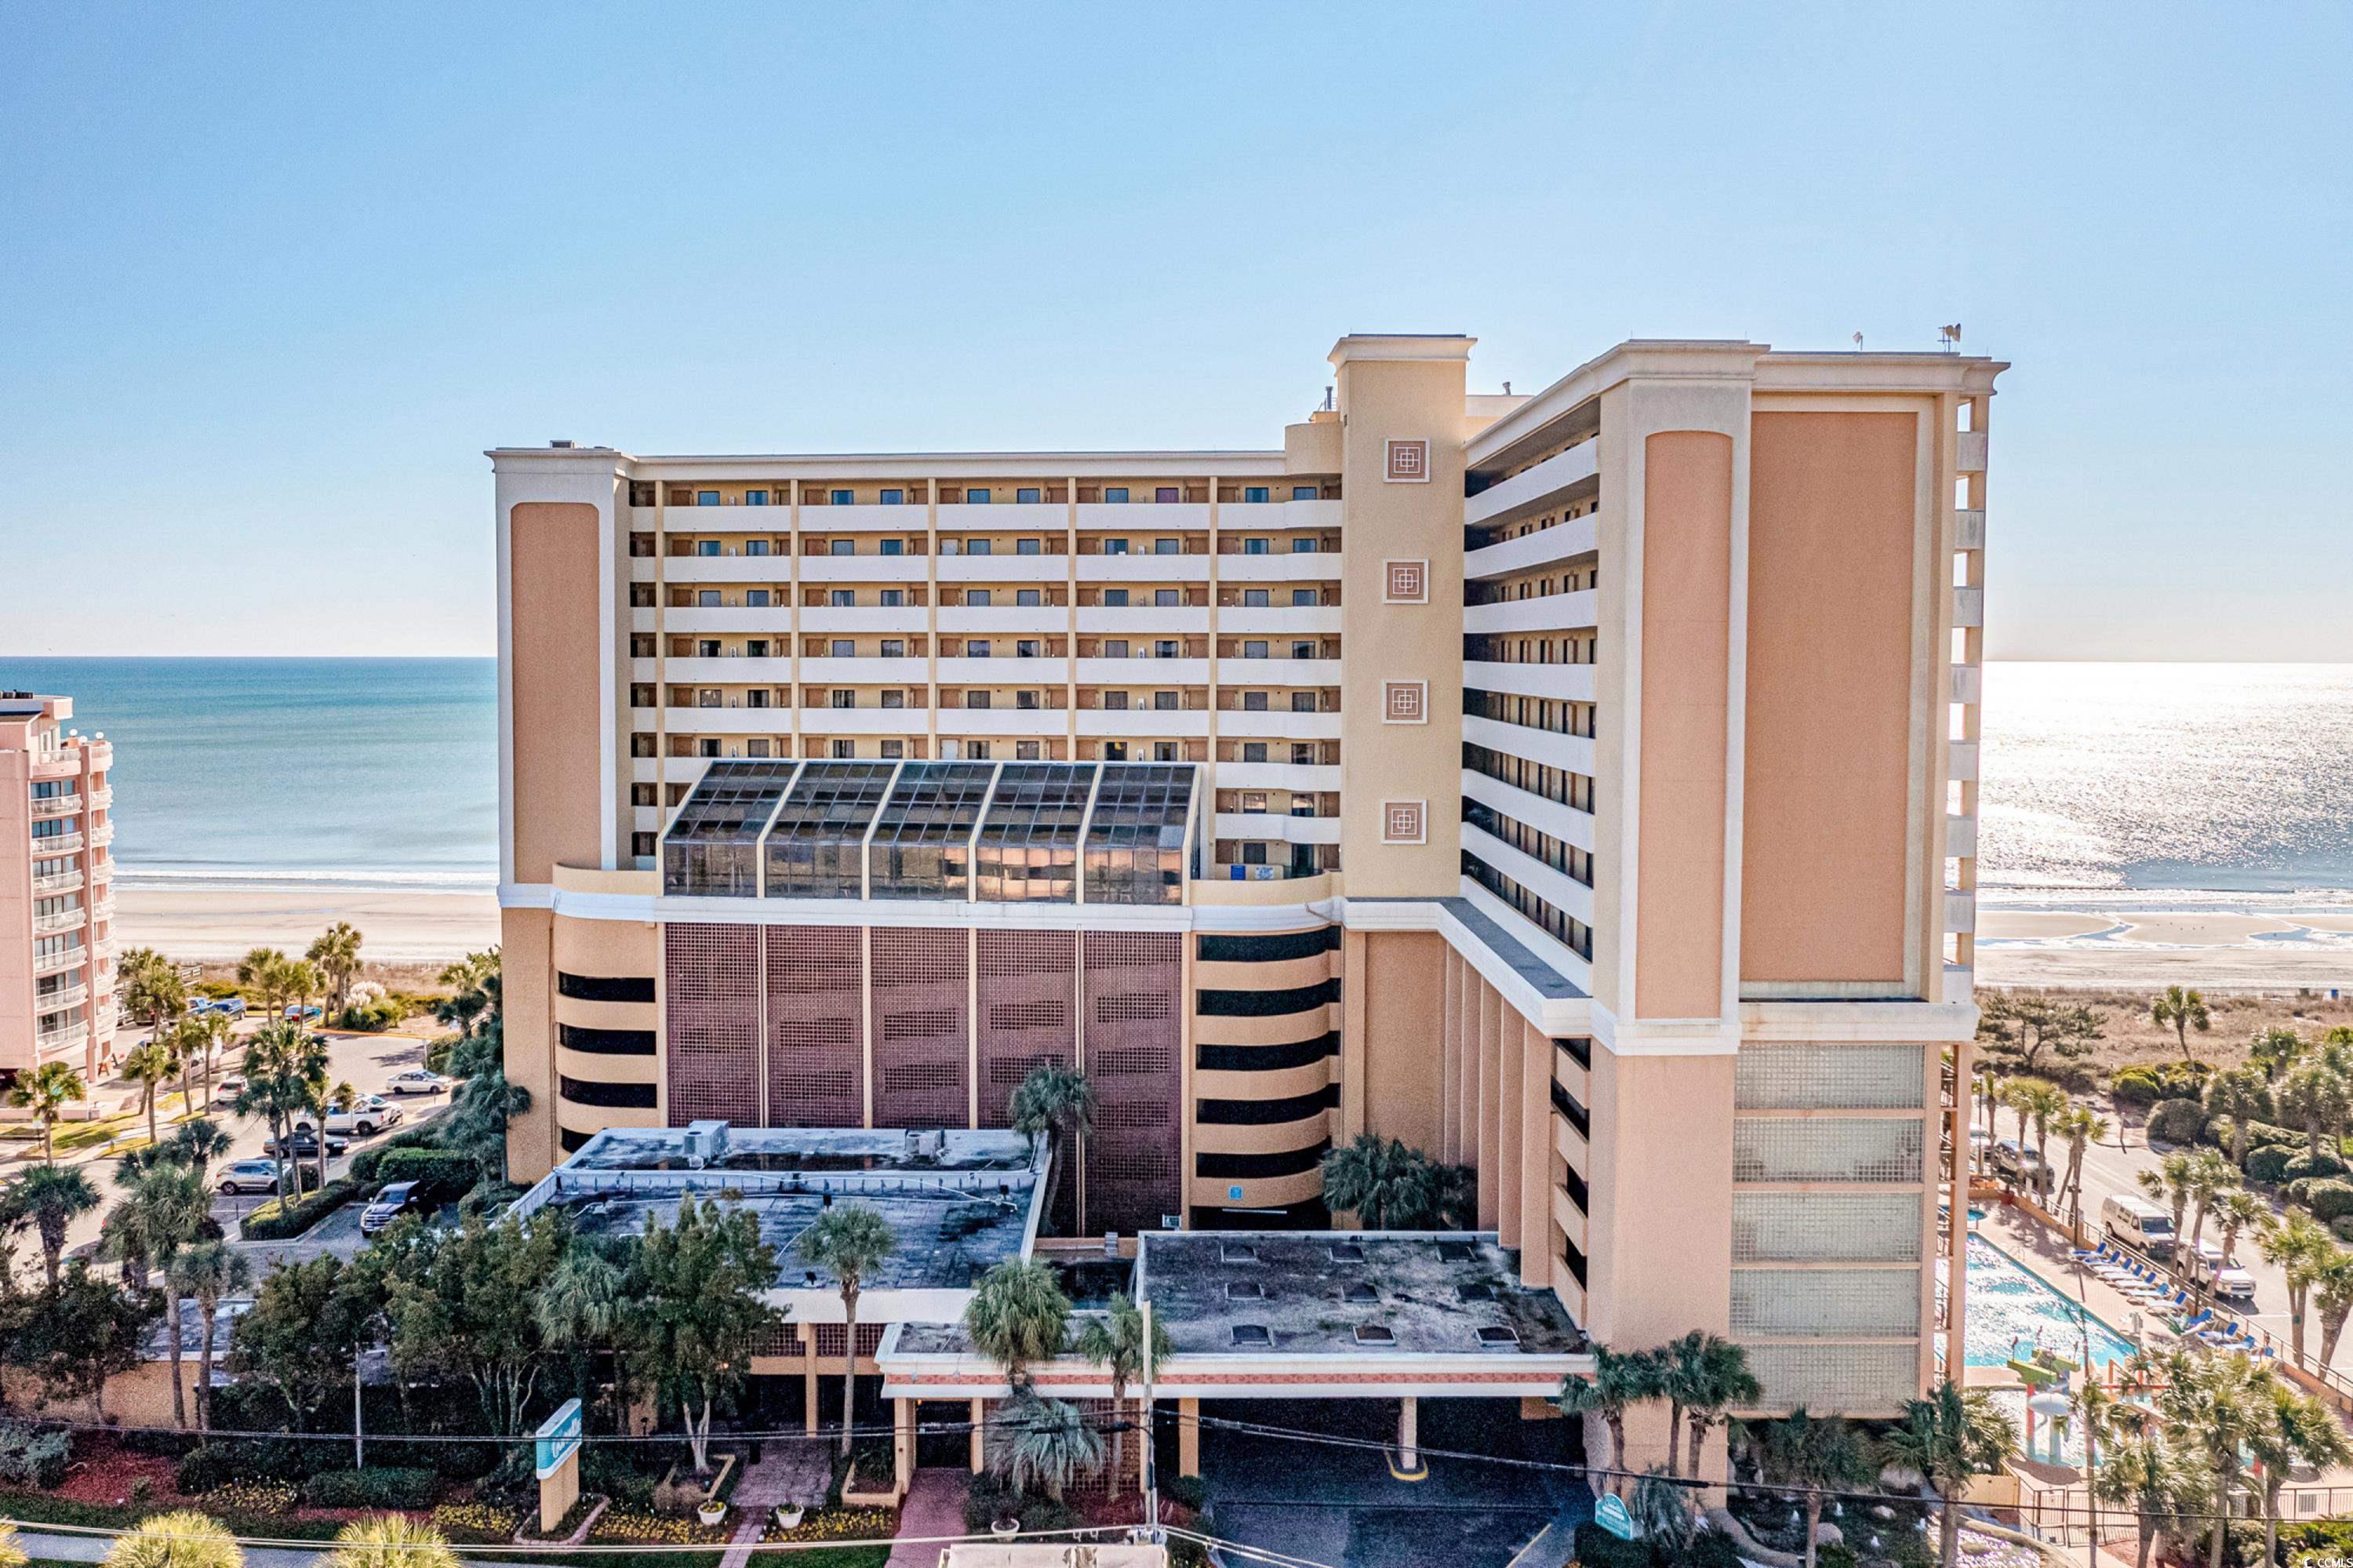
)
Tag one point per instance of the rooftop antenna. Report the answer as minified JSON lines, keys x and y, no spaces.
{"x":1327,"y":399}
{"x":1858,"y":343}
{"x":1949,"y":338}
{"x":1507,"y":389}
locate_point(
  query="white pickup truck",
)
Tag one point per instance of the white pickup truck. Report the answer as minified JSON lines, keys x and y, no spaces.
{"x":368,"y":1114}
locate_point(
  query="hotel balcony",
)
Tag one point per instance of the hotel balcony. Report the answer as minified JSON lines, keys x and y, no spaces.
{"x":62,"y":920}
{"x":1967,"y":683}
{"x":997,"y":619}
{"x":873,"y":671}
{"x":1555,"y":887}
{"x":1304,"y":777}
{"x":1960,"y":910}
{"x":1558,"y":683}
{"x":869,"y":569}
{"x":62,"y":843}
{"x":1276,"y":827}
{"x":1142,"y":621}
{"x":51,"y":1001}
{"x":990,"y":517}
{"x":1278,"y":620}
{"x":101,"y":833}
{"x":717,"y":569}
{"x":102,"y":872}
{"x":1145,"y":568}
{"x":1561,"y":542}
{"x":1968,"y":607}
{"x":71,"y":1036}
{"x":1149,"y":723}
{"x":101,"y":798}
{"x":1141,"y":518}
{"x":62,"y":882}
{"x":996,"y":671}
{"x":1136,"y":673}
{"x":854,"y":721}
{"x":1311,"y":567}
{"x":835,"y":618}
{"x":1962,"y":761}
{"x":1022,"y":723}
{"x":1564,"y":822}
{"x":1549,"y":612}
{"x":868,"y":517}
{"x":1278,"y":724}
{"x":1961,"y":837}
{"x":1532,"y":487}
{"x":1005,"y":569}
{"x":1278,"y":672}
{"x":1549,"y":748}
{"x":57,"y":805}
{"x":732,"y":668}
{"x":51,"y":963}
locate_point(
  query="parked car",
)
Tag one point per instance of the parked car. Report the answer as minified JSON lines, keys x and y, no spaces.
{"x":230,"y":1083}
{"x":305,"y":1144}
{"x":2023,"y":1165}
{"x":296,"y":1009}
{"x":417,"y":1081}
{"x":398,"y":1198}
{"x":248,"y":1176}
{"x":2137,"y":1223}
{"x":233,"y":1006}
{"x":368,"y":1114}
{"x":2208,"y":1271}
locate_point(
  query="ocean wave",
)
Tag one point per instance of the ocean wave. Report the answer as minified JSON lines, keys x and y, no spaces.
{"x":219,"y":878}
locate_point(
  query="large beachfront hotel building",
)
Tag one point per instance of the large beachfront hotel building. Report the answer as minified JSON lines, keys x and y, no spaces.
{"x":57,"y":897}
{"x":1578,"y":787}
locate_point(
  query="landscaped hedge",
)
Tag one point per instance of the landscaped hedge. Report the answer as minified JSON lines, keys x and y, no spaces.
{"x":2269,"y":1164}
{"x":445,"y":1175}
{"x":2177,"y":1122}
{"x":2301,"y":1165}
{"x":382,"y":1487}
{"x":365,"y":1162}
{"x":273,"y":1221}
{"x":2153,"y":1081}
{"x":2329,"y":1200}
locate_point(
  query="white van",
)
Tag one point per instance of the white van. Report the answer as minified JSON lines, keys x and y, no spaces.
{"x":2138,"y":1224}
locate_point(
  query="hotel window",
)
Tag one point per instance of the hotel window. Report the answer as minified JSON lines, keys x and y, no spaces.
{"x":842,"y":547}
{"x":1164,"y":701}
{"x":1115,"y":599}
{"x":1115,"y":702}
{"x":1302,"y":754}
{"x":1257,"y":547}
{"x":1025,"y":701}
{"x":642,"y":795}
{"x":709,"y":697}
{"x":1167,"y":493}
{"x":844,"y":698}
{"x":1253,"y":751}
{"x":641,"y":696}
{"x":1028,"y":495}
{"x":1024,"y":751}
{"x":979,"y":598}
{"x":756,"y":747}
{"x":641,"y":596}
{"x":894,"y":498}
{"x":1253,"y":649}
{"x":1166,"y":649}
{"x":1115,"y":546}
{"x":642,"y":745}
{"x":1254,"y":599}
{"x":1115,"y":647}
{"x":1167,"y":546}
{"x":977,"y":749}
{"x":843,"y":498}
{"x":641,"y":645}
{"x":756,"y":698}
{"x":1254,"y":493}
{"x":706,"y":546}
{"x":976,"y":699}
{"x":756,"y":648}
{"x":1116,"y":495}
{"x":842,"y":599}
{"x":755,"y":498}
{"x":641,"y":844}
{"x":1302,"y":702}
{"x":707,"y":746}
{"x":977,"y":648}
{"x":893,"y":598}
{"x":1253,"y":854}
{"x":708,"y":647}
{"x":1303,"y":547}
{"x":1026,"y":547}
{"x":845,"y":749}
{"x":843,"y":648}
{"x":755,"y":547}
{"x":893,"y":546}
{"x":642,"y":492}
{"x":708,"y":598}
{"x":1302,"y":650}
{"x":893,"y":750}
{"x":1114,"y":750}
{"x":894,"y":648}
{"x":894,"y":699}
{"x":706,"y":498}
{"x":1303,"y":493}
{"x":975,"y":497}
{"x":1253,"y":801}
{"x":1027,"y":598}
{"x":1253,"y":701}
{"x":1163,"y":751}
{"x":1306,"y":596}
{"x":976,"y":547}
{"x":1166,"y":596}
{"x":1025,"y":648}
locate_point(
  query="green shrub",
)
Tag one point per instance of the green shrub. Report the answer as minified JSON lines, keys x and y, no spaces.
{"x":371,"y":1017}
{"x":2342,"y":1228}
{"x":1709,"y":1549}
{"x":1186,"y":1492}
{"x":2152,"y":1081}
{"x":2329,"y":1200}
{"x":445,"y":1175}
{"x":2319,"y":1538}
{"x":2175,"y":1121}
{"x":1597,"y":1548}
{"x":2301,"y":1165}
{"x":380,"y":1486}
{"x":205,"y":1469}
{"x":34,"y":1457}
{"x":2268,"y":1163}
{"x":273,"y":1221}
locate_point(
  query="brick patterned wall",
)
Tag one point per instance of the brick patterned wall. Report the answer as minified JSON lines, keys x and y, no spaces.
{"x":712,"y":1001}
{"x":816,"y":1041}
{"x":920,"y":1026}
{"x":1028,"y":980}
{"x":1133,"y":988}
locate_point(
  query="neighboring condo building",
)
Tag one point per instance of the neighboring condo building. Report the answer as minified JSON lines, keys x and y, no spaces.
{"x":57,"y":897}
{"x":1578,"y":787}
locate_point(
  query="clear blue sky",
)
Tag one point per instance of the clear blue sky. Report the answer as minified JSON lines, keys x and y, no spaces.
{"x":271,"y":278}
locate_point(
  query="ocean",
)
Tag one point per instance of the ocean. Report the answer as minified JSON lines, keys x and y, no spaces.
{"x":2125,"y":785}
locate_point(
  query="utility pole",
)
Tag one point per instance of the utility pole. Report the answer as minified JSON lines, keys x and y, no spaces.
{"x":1151,"y":1461}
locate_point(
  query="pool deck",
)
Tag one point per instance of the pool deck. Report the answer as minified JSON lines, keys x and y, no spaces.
{"x":2043,"y":1253}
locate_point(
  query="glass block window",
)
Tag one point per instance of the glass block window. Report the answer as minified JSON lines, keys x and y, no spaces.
{"x":1855,"y":1148}
{"x":1825,"y":1227}
{"x":1805,"y":1076}
{"x":1825,"y":1303}
{"x":1855,"y":1379}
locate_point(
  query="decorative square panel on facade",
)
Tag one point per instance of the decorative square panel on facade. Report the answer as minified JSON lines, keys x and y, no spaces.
{"x":1404,"y":821}
{"x":1408,"y":463}
{"x":1405,"y":582}
{"x":1405,"y":702}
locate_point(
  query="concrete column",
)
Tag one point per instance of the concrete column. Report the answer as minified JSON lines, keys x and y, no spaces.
{"x":808,"y":1373}
{"x":1409,"y":1432}
{"x":979,"y":1414}
{"x":1188,"y":1437}
{"x":902,"y":1443}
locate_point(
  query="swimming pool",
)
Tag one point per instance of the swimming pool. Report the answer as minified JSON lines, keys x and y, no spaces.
{"x":2011,"y":1311}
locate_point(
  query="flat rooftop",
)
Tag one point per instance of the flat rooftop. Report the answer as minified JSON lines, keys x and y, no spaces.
{"x":960,"y":1203}
{"x":1346,"y":1292}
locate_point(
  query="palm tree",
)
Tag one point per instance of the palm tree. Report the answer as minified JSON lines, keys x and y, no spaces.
{"x":208,"y":1270}
{"x":12,"y":1551}
{"x":45,"y":1091}
{"x":2332,"y":1292}
{"x":181,"y":1539}
{"x":281,"y":1071}
{"x":1618,"y":1382}
{"x":1815,"y":1454}
{"x":2169,"y":1183}
{"x":336,"y":952}
{"x":2221,"y":1406}
{"x":2236,"y":1211}
{"x":1661,"y":1512}
{"x":2184,"y":1010}
{"x":473,"y":981}
{"x":1381,"y":1179}
{"x":151,"y":987}
{"x":2208,"y":1176}
{"x":148,"y":1065}
{"x":195,"y":1144}
{"x":1115,"y":1341}
{"x":581,"y":1307}
{"x":51,"y":1196}
{"x":2147,"y":1476}
{"x":849,"y":1241}
{"x":2317,"y":1097}
{"x":1018,"y":1315}
{"x":219,"y":1030}
{"x":2296,"y":1245}
{"x":2274,"y":1050}
{"x":164,"y":1208}
{"x":1058,"y":1101}
{"x":2244,"y":1095}
{"x":1692,"y":1371}
{"x":268,"y":973}
{"x":1949,"y":1437}
{"x":2295,"y":1429}
{"x":389,"y":1541}
{"x":2081,"y":1127}
{"x":1044,"y":1442}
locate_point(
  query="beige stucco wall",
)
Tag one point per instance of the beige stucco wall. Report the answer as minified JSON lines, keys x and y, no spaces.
{"x":1404,"y":982}
{"x":1661,"y":1262}
{"x":527,"y":989}
{"x":554,"y":659}
{"x":1832,"y":521}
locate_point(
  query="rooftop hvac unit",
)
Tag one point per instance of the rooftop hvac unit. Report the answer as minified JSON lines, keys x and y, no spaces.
{"x":706,"y":1141}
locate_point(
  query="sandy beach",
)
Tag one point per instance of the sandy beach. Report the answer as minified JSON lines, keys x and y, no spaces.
{"x":2217,"y":951}
{"x":210,"y":925}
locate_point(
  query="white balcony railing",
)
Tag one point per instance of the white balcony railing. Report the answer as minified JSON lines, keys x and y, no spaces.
{"x":55,"y":805}
{"x":60,"y":920}
{"x":61,"y":882}
{"x":51,"y":963}
{"x":1535,"y":484}
{"x":71,"y":996}
{"x":103,"y":833}
{"x":59,"y":843}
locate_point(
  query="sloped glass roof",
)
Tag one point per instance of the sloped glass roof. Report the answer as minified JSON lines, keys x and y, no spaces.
{"x":1135,"y":835}
{"x":713,"y":847}
{"x":815,"y":849}
{"x":923,"y":836}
